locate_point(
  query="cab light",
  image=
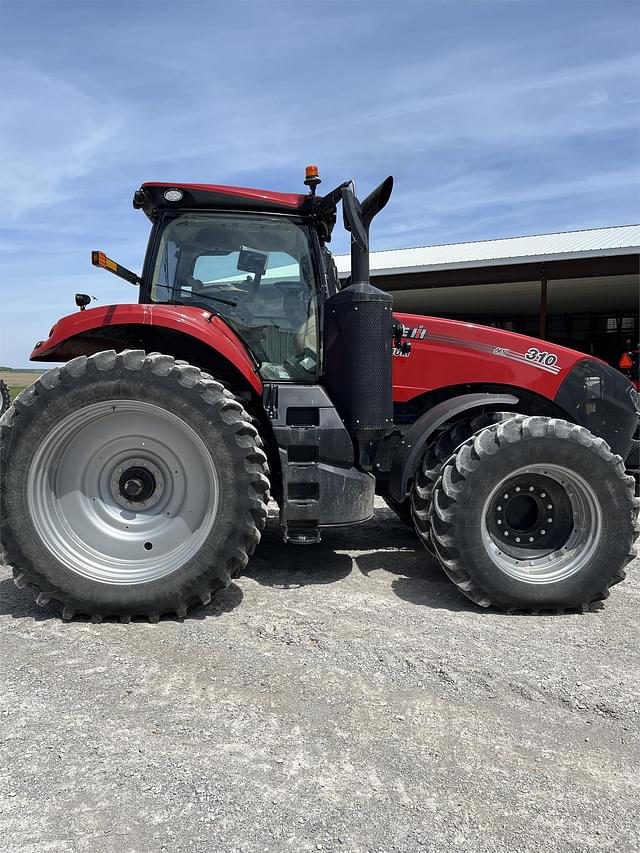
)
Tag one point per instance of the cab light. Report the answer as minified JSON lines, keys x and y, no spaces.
{"x":173,"y":195}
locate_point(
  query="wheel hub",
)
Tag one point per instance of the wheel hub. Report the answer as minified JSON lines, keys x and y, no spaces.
{"x":530,"y":511}
{"x":137,"y":484}
{"x":542,"y":523}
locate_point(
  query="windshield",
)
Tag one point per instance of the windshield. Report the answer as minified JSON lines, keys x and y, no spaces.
{"x":253,"y":270}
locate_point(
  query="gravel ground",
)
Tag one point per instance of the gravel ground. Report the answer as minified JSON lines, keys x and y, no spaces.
{"x":341,"y":697}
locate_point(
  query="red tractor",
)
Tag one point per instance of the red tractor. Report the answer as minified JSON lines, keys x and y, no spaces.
{"x":136,"y":476}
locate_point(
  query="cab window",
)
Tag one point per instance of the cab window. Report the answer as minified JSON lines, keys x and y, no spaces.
{"x":256,"y":272}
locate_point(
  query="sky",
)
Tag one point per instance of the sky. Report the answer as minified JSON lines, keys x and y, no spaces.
{"x":496,"y":118}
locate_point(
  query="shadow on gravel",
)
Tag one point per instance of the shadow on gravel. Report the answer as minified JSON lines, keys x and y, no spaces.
{"x":419,"y":578}
{"x":19,"y":604}
{"x":288,"y":566}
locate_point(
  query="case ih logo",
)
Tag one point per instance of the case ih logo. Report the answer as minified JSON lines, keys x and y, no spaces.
{"x":414,"y":332}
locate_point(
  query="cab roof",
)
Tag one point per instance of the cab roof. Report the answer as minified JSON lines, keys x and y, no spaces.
{"x":151,"y":198}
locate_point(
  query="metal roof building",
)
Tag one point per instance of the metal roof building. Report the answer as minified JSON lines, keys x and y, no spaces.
{"x":580,"y":288}
{"x":566,"y":245}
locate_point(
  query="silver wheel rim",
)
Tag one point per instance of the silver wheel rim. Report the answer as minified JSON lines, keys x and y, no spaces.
{"x":563,"y":561}
{"x":103,"y":531}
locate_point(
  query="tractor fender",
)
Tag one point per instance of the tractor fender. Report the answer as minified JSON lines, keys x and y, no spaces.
{"x":106,"y":327}
{"x":407,"y":458}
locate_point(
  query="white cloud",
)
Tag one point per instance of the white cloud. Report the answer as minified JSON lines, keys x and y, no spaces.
{"x":52,"y":133}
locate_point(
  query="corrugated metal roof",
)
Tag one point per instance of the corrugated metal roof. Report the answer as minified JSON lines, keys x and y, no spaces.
{"x":566,"y":245}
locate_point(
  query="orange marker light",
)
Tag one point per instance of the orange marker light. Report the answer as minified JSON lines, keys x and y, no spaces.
{"x":99,"y":259}
{"x":311,"y":172}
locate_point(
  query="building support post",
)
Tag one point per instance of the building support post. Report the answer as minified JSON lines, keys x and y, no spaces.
{"x":542,"y":327}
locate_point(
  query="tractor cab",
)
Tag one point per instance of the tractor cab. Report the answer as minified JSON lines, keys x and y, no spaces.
{"x":256,"y":272}
{"x":257,"y":259}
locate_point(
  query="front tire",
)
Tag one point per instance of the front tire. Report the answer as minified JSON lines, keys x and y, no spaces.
{"x":534,"y":513}
{"x":133,"y":485}
{"x":437,"y":453}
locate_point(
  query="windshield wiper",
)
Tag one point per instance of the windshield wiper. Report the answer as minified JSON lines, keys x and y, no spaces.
{"x":207,"y":296}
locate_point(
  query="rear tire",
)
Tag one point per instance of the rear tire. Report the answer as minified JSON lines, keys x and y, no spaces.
{"x":5,"y":398}
{"x":133,"y":485}
{"x":559,"y":494}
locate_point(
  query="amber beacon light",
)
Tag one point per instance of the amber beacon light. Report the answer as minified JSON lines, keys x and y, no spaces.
{"x":311,"y":178}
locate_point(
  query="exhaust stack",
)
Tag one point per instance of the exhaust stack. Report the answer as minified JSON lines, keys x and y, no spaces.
{"x":357,"y":219}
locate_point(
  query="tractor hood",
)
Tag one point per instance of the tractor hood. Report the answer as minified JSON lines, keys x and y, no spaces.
{"x":449,"y":352}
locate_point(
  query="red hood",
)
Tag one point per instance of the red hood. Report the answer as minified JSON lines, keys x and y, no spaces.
{"x":451,"y":352}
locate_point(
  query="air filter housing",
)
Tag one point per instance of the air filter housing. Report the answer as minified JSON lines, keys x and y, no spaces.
{"x":358,"y":332}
